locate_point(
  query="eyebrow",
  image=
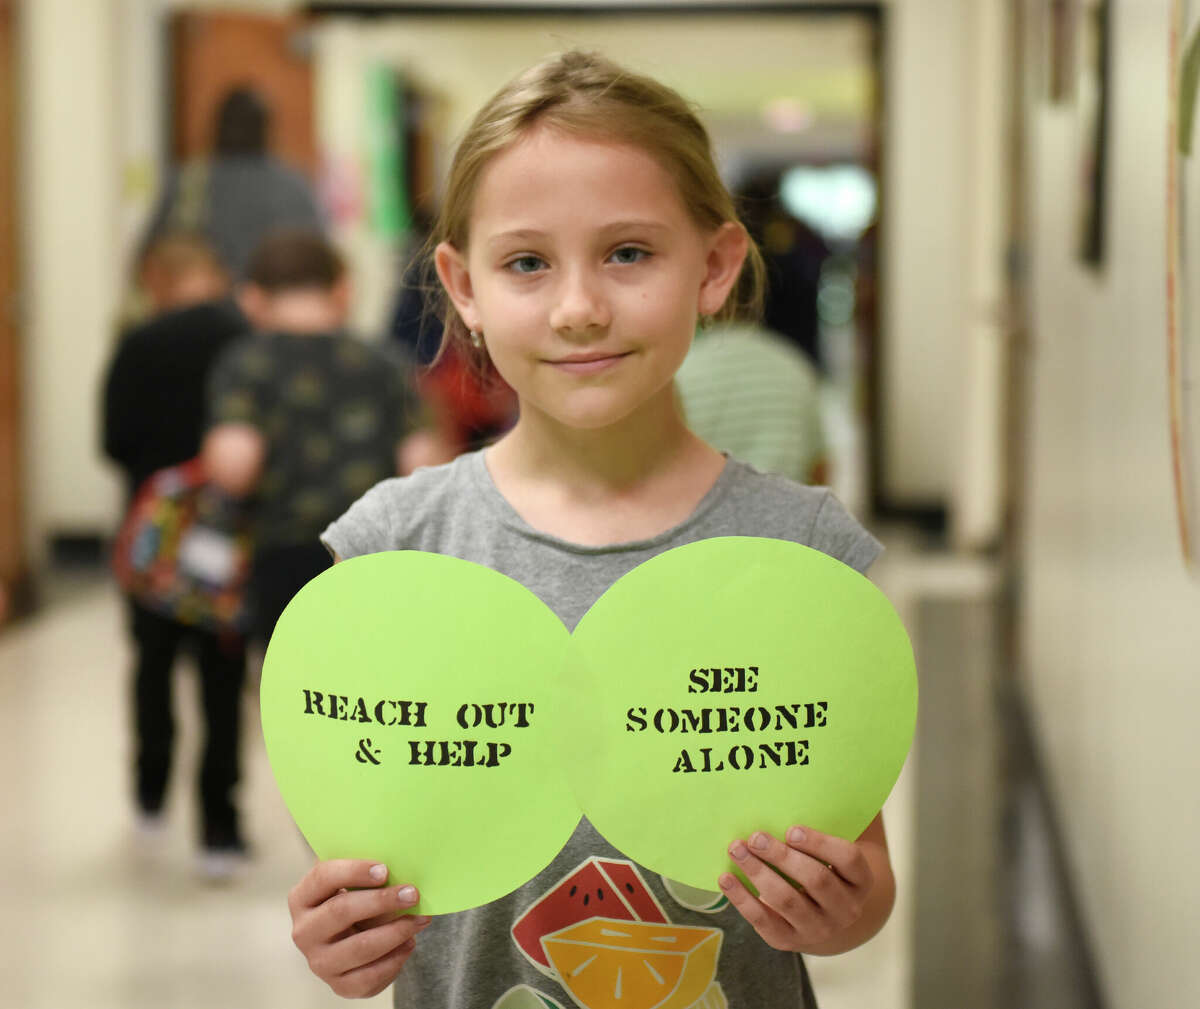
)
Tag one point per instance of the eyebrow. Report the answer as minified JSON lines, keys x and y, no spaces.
{"x":532,"y":234}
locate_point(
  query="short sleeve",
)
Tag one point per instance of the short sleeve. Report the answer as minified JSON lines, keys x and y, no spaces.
{"x":366,"y":526}
{"x":840,"y":535}
{"x":237,"y":387}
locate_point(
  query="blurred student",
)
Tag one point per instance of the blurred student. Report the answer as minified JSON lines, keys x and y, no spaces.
{"x":154,"y":410}
{"x":794,"y":255}
{"x":240,"y":193}
{"x":305,"y":418}
{"x":749,"y":392}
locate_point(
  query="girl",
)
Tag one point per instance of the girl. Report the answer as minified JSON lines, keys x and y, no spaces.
{"x":584,"y":234}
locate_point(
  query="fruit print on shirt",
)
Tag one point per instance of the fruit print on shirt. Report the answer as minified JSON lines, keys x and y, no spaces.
{"x":524,"y":997}
{"x":603,"y":936}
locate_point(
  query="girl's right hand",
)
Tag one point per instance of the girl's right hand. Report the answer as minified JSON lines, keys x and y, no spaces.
{"x":346,"y":926}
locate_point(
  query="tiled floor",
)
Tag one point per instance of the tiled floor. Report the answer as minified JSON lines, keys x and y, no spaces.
{"x":90,"y":923}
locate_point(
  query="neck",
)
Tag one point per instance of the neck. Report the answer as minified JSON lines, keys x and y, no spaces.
{"x":602,"y":460}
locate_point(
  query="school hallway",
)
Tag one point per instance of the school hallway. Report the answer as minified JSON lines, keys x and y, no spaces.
{"x":94,"y":921}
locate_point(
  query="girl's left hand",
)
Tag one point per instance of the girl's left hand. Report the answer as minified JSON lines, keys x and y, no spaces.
{"x":822,"y":892}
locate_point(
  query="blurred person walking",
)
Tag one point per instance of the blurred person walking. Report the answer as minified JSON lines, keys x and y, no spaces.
{"x":154,"y":412}
{"x":305,"y":418}
{"x":749,"y":392}
{"x":240,"y":194}
{"x":794,"y":254}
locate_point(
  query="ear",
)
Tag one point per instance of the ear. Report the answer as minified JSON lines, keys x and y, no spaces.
{"x":727,"y":249}
{"x":456,"y":279}
{"x":254,"y":302}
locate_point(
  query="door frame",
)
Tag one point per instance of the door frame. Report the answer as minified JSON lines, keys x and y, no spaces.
{"x":15,"y":584}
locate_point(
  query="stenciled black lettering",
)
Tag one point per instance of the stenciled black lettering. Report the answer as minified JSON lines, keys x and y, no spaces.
{"x":456,"y":753}
{"x":412,"y":713}
{"x":497,"y":752}
{"x":422,"y":752}
{"x":756,"y":719}
{"x":314,"y":702}
{"x":729,"y":719}
{"x":672,"y":719}
{"x":770,"y":751}
{"x":741,"y":758}
{"x":788,"y":714}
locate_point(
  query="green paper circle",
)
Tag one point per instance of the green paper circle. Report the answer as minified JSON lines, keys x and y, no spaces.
{"x":817,"y":632}
{"x":419,"y":627}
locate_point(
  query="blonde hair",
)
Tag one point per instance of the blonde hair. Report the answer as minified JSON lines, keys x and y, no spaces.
{"x":584,"y":94}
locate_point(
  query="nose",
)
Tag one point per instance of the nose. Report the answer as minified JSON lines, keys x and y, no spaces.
{"x":580,"y":308}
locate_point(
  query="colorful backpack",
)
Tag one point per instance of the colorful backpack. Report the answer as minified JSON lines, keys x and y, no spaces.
{"x":184,"y":550}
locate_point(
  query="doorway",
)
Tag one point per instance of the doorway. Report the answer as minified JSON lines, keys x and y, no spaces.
{"x":795,"y":115}
{"x":14,"y":587}
{"x":211,"y":53}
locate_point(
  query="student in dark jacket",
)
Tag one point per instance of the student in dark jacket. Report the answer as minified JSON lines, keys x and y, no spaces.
{"x":154,"y":417}
{"x":305,"y":418}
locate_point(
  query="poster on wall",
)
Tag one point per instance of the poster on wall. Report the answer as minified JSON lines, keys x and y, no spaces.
{"x":1093,"y":86}
{"x":1183,"y":277}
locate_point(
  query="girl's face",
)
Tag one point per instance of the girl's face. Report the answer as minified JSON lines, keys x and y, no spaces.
{"x":586,"y":275}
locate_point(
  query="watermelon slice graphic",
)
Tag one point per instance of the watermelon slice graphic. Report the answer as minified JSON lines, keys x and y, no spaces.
{"x":599,"y":888}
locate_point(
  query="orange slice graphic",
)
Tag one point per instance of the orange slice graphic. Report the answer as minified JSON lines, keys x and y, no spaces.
{"x":611,"y":964}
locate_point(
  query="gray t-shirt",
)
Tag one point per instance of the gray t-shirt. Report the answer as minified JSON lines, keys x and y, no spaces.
{"x":489,"y":958}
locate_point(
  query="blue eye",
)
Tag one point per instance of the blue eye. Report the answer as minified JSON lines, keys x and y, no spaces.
{"x":629,"y":254}
{"x":526,"y":264}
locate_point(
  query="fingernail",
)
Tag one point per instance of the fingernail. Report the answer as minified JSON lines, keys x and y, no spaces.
{"x":796,"y":835}
{"x":407,"y":894}
{"x":726,"y":881}
{"x":759,"y":841}
{"x":378,"y":873}
{"x":421,"y":920}
{"x":738,"y":850}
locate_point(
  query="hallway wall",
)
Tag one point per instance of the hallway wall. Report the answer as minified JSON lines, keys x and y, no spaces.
{"x":1112,"y":620}
{"x":67,"y":186}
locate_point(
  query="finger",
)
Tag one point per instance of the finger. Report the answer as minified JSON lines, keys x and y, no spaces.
{"x":360,"y":949}
{"x":800,"y":909}
{"x":370,"y":979}
{"x":340,"y":913}
{"x":774,"y":931}
{"x":844,"y":856}
{"x":325,"y":879}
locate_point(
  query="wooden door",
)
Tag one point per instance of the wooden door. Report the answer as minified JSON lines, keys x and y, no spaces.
{"x":13,"y":563}
{"x":213,"y":52}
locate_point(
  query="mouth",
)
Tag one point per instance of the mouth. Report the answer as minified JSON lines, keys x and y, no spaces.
{"x":588,"y":363}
